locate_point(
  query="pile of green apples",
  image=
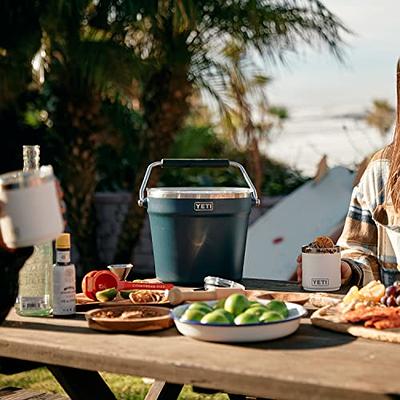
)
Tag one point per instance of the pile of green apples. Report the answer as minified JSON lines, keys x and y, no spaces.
{"x":236,"y":309}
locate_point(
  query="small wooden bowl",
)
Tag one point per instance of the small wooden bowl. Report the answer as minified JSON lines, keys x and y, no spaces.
{"x":161,"y":320}
{"x":295,"y":297}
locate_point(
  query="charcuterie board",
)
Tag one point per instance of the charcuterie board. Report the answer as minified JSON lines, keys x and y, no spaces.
{"x":328,"y":318}
{"x":83,"y":303}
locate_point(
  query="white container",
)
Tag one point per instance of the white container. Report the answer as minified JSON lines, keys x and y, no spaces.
{"x":321,"y":270}
{"x":31,"y":212}
{"x":239,"y":333}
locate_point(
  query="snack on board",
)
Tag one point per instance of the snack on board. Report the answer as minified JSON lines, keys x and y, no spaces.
{"x":370,"y":293}
{"x":379,"y":317}
{"x":131,"y":314}
{"x":372,"y":306}
{"x":321,"y":244}
{"x":147,"y":296}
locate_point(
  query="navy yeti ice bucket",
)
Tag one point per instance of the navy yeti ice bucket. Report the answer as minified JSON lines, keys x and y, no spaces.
{"x":198,"y":232}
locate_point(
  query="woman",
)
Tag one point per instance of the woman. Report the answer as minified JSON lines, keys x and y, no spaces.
{"x":370,"y":240}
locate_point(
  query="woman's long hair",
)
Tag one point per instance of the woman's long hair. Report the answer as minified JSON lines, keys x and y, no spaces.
{"x":393,"y":154}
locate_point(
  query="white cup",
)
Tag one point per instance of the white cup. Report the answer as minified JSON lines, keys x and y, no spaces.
{"x":321,"y":270}
{"x":31,"y":212}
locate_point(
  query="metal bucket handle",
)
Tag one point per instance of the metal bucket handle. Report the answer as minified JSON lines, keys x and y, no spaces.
{"x":191,"y":163}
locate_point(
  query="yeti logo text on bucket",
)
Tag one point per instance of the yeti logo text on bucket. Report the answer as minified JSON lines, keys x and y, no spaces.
{"x":320,"y":282}
{"x":203,"y":206}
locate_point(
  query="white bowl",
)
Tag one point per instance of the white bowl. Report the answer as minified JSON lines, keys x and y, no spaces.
{"x":239,"y":333}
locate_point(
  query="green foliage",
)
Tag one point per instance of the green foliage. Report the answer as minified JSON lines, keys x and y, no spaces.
{"x":118,"y":158}
{"x":198,"y":142}
{"x":279,"y":179}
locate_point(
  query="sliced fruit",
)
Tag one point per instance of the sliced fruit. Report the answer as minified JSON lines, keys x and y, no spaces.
{"x":106,"y":295}
{"x":125,"y":293}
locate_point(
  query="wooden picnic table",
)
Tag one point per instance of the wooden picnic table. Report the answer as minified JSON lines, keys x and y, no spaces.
{"x":311,"y":364}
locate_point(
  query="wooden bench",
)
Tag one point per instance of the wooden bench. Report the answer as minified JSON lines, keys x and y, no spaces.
{"x":12,"y":393}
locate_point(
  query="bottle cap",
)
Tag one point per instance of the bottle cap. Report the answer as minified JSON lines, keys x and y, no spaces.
{"x":63,"y":241}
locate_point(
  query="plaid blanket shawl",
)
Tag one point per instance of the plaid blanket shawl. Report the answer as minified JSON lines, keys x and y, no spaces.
{"x":371,"y":218}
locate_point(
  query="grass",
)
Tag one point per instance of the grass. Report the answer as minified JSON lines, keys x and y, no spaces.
{"x":125,"y":387}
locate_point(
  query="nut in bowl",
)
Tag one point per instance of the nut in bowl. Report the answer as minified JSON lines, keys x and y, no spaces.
{"x":238,"y":320}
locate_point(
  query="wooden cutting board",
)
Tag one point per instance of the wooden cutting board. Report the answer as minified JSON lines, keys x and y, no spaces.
{"x":326,"y":318}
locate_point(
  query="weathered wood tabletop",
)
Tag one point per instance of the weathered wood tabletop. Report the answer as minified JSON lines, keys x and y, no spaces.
{"x":311,"y":364}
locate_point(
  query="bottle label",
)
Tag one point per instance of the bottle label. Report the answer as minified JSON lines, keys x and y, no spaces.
{"x":33,"y":303}
{"x":63,"y":256}
{"x":64,"y":290}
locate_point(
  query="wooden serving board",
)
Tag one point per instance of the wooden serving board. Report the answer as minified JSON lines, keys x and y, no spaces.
{"x":327,"y":319}
{"x":83,"y":303}
{"x":291,"y":297}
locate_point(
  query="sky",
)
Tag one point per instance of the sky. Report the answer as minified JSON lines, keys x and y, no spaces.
{"x":316,"y":82}
{"x":320,"y":92}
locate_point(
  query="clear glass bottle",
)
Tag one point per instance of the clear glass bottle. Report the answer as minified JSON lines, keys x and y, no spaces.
{"x":35,"y":276}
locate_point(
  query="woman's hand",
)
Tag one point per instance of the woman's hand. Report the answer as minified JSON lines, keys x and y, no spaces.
{"x":345,"y":270}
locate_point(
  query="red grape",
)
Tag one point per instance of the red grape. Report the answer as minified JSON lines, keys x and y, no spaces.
{"x":391,"y":302}
{"x":398,"y":300}
{"x":384,"y":299}
{"x":391,"y":291}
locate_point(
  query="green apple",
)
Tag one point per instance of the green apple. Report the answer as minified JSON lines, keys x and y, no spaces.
{"x":192,"y":315}
{"x":278,"y":306}
{"x":236,"y":303}
{"x":200,"y":306}
{"x":215,"y":317}
{"x":227,"y":314}
{"x":256,"y":310}
{"x":246,"y":318}
{"x":219,"y":304}
{"x":271,"y":316}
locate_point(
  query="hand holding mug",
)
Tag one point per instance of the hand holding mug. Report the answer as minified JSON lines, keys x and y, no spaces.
{"x":345,"y":270}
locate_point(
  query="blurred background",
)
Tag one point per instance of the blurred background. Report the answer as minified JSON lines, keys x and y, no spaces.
{"x":106,"y":87}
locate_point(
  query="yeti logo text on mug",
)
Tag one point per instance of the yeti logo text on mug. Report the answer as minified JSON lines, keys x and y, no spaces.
{"x":203,"y":206}
{"x":319,"y":282}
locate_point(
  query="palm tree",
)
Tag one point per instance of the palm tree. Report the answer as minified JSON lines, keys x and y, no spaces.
{"x":159,"y":51}
{"x":85,"y":68}
{"x":183,"y":42}
{"x":248,"y":117}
